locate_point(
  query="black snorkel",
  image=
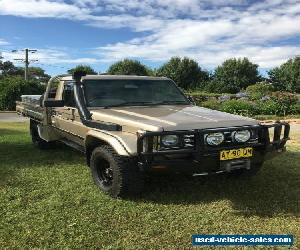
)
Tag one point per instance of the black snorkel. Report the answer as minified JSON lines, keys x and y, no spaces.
{"x":84,"y":113}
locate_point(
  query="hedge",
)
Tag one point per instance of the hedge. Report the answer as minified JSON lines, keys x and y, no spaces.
{"x":252,"y":108}
{"x":11,"y":89}
{"x":259,"y":90}
{"x":203,"y":96}
{"x":239,"y":107}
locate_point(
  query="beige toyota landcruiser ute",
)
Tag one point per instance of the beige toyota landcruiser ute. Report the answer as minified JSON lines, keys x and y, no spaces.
{"x":128,"y":126}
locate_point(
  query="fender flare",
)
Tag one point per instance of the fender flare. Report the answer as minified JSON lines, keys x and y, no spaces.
{"x":107,"y":138}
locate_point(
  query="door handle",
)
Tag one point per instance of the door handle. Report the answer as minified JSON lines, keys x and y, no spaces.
{"x":73,"y":114}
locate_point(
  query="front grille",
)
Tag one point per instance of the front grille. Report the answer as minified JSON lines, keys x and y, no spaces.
{"x":189,"y":141}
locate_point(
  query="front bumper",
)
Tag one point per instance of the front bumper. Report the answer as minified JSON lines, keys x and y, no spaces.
{"x":271,"y":140}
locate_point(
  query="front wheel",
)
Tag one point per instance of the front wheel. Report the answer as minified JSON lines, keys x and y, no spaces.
{"x":115,"y":175}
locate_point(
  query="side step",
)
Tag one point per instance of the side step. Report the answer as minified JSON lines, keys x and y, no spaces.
{"x":73,"y":145}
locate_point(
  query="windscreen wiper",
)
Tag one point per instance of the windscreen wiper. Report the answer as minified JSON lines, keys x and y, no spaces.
{"x":145,"y":103}
{"x":169,"y":102}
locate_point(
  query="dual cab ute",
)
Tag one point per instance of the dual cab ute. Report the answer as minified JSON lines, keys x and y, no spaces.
{"x":131,"y":125}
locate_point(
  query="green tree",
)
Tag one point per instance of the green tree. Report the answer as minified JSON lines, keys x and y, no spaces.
{"x":129,"y":67}
{"x":38,"y":73}
{"x":234,"y":75}
{"x":260,"y":89}
{"x":7,"y":68}
{"x":85,"y":68}
{"x":287,"y":76}
{"x":12,"y":87}
{"x":185,"y":72}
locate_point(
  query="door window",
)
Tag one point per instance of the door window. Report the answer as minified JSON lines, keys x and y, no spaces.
{"x":68,"y":94}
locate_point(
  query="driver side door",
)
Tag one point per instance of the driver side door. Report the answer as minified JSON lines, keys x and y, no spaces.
{"x":67,"y":119}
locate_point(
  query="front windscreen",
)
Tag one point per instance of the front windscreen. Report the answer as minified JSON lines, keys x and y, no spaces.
{"x":109,"y":93}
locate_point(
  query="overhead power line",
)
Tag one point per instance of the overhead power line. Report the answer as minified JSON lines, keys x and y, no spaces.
{"x":51,"y":65}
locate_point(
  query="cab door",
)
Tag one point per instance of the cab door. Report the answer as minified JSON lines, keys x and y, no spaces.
{"x":66,"y":119}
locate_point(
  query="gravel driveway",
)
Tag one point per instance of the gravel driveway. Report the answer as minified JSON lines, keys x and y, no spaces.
{"x":11,"y":117}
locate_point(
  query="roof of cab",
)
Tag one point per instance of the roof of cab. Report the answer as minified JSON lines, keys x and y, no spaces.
{"x":66,"y":78}
{"x":115,"y":77}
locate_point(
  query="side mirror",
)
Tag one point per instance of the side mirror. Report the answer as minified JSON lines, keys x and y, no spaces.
{"x":54,"y":103}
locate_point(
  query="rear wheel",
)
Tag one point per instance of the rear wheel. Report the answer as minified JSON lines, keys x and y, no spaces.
{"x":36,"y":139}
{"x":115,"y":175}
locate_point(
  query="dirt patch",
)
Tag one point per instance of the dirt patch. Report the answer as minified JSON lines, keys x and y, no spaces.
{"x":290,"y":121}
{"x":294,"y":132}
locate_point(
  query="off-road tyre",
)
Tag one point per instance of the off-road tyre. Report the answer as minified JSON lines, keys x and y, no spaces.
{"x":36,"y":139}
{"x":115,"y":175}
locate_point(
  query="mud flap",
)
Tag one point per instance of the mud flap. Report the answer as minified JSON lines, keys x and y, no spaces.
{"x":47,"y":133}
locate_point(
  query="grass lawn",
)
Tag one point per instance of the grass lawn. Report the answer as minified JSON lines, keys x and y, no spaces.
{"x":48,"y":200}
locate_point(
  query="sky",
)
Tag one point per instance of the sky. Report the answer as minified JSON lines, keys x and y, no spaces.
{"x":100,"y":32}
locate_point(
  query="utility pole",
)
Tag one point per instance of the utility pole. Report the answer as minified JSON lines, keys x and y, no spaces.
{"x":26,"y":60}
{"x":1,"y":57}
{"x":26,"y":64}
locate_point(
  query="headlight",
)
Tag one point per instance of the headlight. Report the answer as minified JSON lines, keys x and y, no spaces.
{"x":169,"y":140}
{"x":241,"y":136}
{"x":215,"y":139}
